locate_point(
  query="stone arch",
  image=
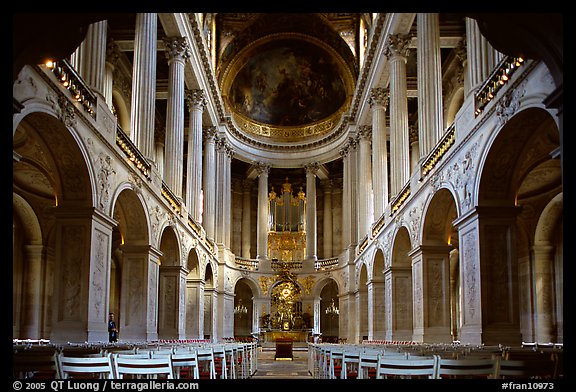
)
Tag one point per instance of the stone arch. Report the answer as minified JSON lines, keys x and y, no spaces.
{"x":519,"y":176}
{"x":453,"y":105}
{"x":134,"y":269}
{"x":548,"y":270}
{"x":329,"y":323}
{"x":245,"y":290}
{"x":194,"y":296}
{"x":172,"y":280}
{"x":377,"y":296}
{"x":210,"y":299}
{"x":399,"y":295}
{"x":54,"y":192}
{"x":363,"y":303}
{"x":433,"y":302}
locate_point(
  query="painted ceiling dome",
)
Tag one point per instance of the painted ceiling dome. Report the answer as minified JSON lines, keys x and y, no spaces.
{"x":287,"y":80}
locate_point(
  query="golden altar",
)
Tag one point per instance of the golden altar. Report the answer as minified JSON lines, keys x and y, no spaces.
{"x":295,"y":336}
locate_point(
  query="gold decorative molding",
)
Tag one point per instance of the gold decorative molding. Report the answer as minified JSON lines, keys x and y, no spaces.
{"x":292,"y":133}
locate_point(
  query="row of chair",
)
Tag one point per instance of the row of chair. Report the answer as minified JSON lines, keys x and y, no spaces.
{"x":210,"y":361}
{"x":334,"y":361}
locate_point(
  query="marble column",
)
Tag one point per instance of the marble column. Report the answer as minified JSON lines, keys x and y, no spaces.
{"x":90,"y":57}
{"x":378,"y":101}
{"x":430,"y":121}
{"x":262,"y":236}
{"x":220,"y":218}
{"x":159,"y":151}
{"x":482,"y":57}
{"x":327,"y":228}
{"x":397,"y":51}
{"x":176,"y":53}
{"x":246,"y":214}
{"x":349,"y":201}
{"x":311,"y":240}
{"x":196,"y":103}
{"x":414,"y":148}
{"x":112,"y":58}
{"x":143,"y":103}
{"x":32,"y":292}
{"x":365,"y":212}
{"x":227,"y":195}
{"x":209,"y":182}
{"x":545,"y":330}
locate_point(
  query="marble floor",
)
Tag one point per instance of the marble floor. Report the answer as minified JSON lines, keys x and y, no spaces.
{"x":269,"y":368}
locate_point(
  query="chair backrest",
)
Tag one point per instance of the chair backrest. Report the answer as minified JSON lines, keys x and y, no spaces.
{"x":368,"y":364}
{"x":185,"y":365}
{"x":524,"y":369}
{"x":350,"y":363}
{"x":32,"y":363}
{"x":335,"y":358}
{"x":206,"y":361}
{"x":85,"y":367}
{"x":466,"y":368}
{"x":220,"y":361}
{"x":143,"y":367}
{"x":424,"y":367}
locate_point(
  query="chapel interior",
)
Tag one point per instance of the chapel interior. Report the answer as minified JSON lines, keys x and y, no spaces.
{"x":321,"y":177}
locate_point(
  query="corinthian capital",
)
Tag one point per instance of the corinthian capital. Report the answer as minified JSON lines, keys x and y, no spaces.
{"x":176,"y":48}
{"x":379,"y":97}
{"x":196,"y":99}
{"x":397,"y":45}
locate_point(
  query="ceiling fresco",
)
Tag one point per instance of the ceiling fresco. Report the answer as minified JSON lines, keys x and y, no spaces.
{"x":287,"y":83}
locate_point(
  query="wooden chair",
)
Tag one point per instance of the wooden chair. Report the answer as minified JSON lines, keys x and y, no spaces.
{"x":334,"y":359}
{"x":368,"y":364}
{"x":466,"y":368}
{"x":394,"y":367}
{"x":134,"y":367}
{"x":350,"y":363}
{"x":207,"y":363}
{"x":185,"y":365}
{"x":35,"y":364}
{"x":220,"y":362}
{"x":89,"y":367}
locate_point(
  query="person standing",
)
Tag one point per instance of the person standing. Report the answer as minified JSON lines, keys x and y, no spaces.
{"x":112,"y":330}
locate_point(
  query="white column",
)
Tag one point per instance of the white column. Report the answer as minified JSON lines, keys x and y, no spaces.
{"x":327,"y":186}
{"x":397,"y":50}
{"x":349,"y":202}
{"x":227,"y":195}
{"x":196,"y":104}
{"x":364,"y":185}
{"x":112,"y":56}
{"x":90,"y":57}
{"x":246,"y":213}
{"x":144,"y":84}
{"x":414,"y":148}
{"x":177,"y":53}
{"x":430,"y":120}
{"x":311,"y":240}
{"x":262,"y":239}
{"x":209,"y":182}
{"x":378,"y":101}
{"x":220,"y":192}
{"x":481,"y":56}
{"x":159,"y":151}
